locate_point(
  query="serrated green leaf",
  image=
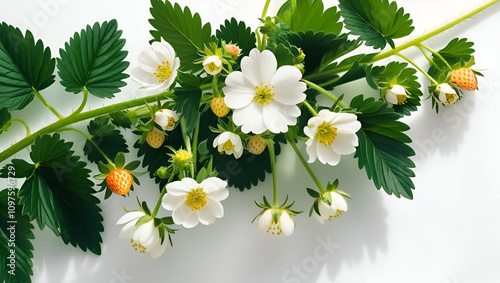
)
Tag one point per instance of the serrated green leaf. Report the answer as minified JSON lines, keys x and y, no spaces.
{"x":59,"y":194}
{"x":24,"y":66}
{"x":383,"y":149}
{"x":183,"y":30}
{"x":94,"y":60}
{"x":4,"y":120}
{"x":377,"y":22}
{"x":106,"y":137}
{"x":12,"y":222}
{"x":457,"y":52}
{"x":187,"y":99}
{"x":282,"y":53}
{"x":237,"y":33}
{"x":310,"y":15}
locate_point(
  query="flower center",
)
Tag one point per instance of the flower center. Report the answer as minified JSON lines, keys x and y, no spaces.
{"x":450,"y":97}
{"x":171,"y":122}
{"x":401,"y":98}
{"x":228,"y":145}
{"x":196,"y":199}
{"x":326,"y":133}
{"x":212,"y":67}
{"x":275,"y":228}
{"x":138,"y":247}
{"x":264,"y":94}
{"x":163,"y":71}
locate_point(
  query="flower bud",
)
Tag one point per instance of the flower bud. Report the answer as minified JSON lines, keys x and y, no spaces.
{"x":212,"y":65}
{"x":234,"y":50}
{"x":446,"y":94}
{"x":166,"y":118}
{"x":396,"y":95}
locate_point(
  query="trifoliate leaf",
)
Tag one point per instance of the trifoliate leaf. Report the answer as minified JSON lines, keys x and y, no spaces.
{"x":24,"y":66}
{"x":187,"y":99}
{"x":16,"y":233}
{"x":106,"y":137}
{"x":237,"y":33}
{"x":377,"y":22}
{"x":4,"y":120}
{"x":383,"y":149}
{"x":310,"y":15}
{"x":400,"y":74}
{"x":183,"y":30}
{"x":59,"y":194}
{"x":94,"y":60}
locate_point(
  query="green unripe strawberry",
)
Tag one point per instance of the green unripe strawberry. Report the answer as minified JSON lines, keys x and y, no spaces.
{"x":219,"y":107}
{"x":256,"y":145}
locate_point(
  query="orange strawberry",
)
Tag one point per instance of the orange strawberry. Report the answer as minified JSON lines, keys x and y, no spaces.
{"x":219,"y":107}
{"x":234,"y":50}
{"x":155,"y":139}
{"x":464,"y":78}
{"x":119,"y":181}
{"x":256,"y":145}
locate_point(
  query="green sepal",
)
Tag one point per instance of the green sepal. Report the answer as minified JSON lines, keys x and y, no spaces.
{"x":326,"y":197}
{"x":313,"y":193}
{"x":132,"y":165}
{"x":120,"y":160}
{"x":143,"y":220}
{"x":332,"y":186}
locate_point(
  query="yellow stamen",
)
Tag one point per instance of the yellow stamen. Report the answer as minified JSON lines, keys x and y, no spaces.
{"x":450,"y":97}
{"x":163,"y":71}
{"x":212,"y":67}
{"x":171,"y":122}
{"x":196,"y":199}
{"x":228,"y":146}
{"x":401,"y":98}
{"x":138,"y":247}
{"x":264,"y":94}
{"x":326,"y":133}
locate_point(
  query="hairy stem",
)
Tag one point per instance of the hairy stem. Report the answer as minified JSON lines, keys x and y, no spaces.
{"x":311,"y":109}
{"x":326,"y":93}
{"x":28,"y":132}
{"x":78,"y":118}
{"x":304,"y":162}
{"x":418,"y":67}
{"x":47,"y":104}
{"x":89,"y":138}
{"x":270,"y":145}
{"x":435,"y":54}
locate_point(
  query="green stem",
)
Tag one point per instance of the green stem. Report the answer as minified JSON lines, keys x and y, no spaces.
{"x":325,"y":92}
{"x":84,"y":102}
{"x":89,"y":138}
{"x":264,"y":11}
{"x":28,"y":132}
{"x":187,"y":142}
{"x":163,"y":192}
{"x":270,"y":145}
{"x":418,"y":67}
{"x":428,"y":58}
{"x":47,"y":104}
{"x":195,"y":145}
{"x":304,"y":162}
{"x":409,"y":43}
{"x":311,"y":109}
{"x":75,"y":119}
{"x":215,"y":85}
{"x":435,"y":54}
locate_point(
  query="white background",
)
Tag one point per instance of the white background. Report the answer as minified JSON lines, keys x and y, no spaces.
{"x":449,"y":233}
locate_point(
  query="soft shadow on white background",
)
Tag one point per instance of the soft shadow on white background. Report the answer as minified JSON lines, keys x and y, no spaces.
{"x":448,"y":234}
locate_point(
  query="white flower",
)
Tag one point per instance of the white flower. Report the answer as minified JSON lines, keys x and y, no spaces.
{"x":331,"y":211}
{"x":212,"y":65}
{"x":192,"y":202}
{"x":229,"y":143}
{"x":157,"y":67}
{"x":262,"y":97}
{"x":396,"y":95}
{"x":447,"y":94}
{"x":166,"y":118}
{"x":265,"y":222}
{"x":144,"y":238}
{"x":331,"y":135}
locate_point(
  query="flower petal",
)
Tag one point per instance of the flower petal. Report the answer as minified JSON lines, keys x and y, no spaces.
{"x":264,"y":221}
{"x":159,"y":249}
{"x":326,"y":154}
{"x":128,"y":230}
{"x":239,"y":91}
{"x":129,"y":216}
{"x":339,"y":201}
{"x":287,"y":224}
{"x":277,"y":117}
{"x":250,"y":118}
{"x":170,"y":202}
{"x":210,"y":212}
{"x":259,"y":68}
{"x":345,"y":143}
